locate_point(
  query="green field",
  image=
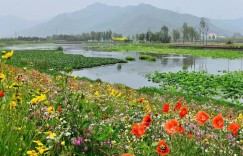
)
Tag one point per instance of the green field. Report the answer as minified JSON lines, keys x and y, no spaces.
{"x":169,"y":49}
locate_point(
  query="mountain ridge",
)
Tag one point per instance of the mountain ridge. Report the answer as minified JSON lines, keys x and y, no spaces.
{"x":127,"y":20}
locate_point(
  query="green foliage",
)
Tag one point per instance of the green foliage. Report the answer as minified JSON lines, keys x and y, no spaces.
{"x":130,"y":58}
{"x":51,"y":60}
{"x":202,"y":84}
{"x":59,"y":48}
{"x":147,"y":57}
{"x":165,"y":37}
{"x":229,"y":42}
{"x":168,"y":49}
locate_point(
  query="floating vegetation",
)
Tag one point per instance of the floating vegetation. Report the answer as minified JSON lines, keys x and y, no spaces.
{"x":130,"y":58}
{"x":147,"y":57}
{"x":202,"y":84}
{"x":43,"y":60}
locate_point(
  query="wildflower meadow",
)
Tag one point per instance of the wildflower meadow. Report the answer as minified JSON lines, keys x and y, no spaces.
{"x":59,"y":114}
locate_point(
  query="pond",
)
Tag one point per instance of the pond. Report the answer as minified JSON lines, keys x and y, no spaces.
{"x":133,"y":73}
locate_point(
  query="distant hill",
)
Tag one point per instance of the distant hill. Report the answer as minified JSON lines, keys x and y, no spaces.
{"x":127,"y":20}
{"x":10,"y":25}
{"x":233,"y":26}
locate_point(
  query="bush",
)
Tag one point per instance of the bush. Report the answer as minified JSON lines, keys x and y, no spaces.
{"x":147,"y":57}
{"x":130,"y":58}
{"x":229,"y":42}
{"x":60,"y":48}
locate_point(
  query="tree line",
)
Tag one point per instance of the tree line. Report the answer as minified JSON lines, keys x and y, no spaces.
{"x":91,"y":36}
{"x":185,"y":34}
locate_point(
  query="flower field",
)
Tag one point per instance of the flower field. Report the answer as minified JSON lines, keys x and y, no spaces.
{"x":61,"y":115}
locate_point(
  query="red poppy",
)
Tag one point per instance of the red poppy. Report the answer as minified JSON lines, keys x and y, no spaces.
{"x":178,"y":105}
{"x":218,"y":122}
{"x":180,"y":129}
{"x":202,"y":117}
{"x":234,"y":127}
{"x":171,"y":126}
{"x":127,"y":154}
{"x":59,"y":108}
{"x":166,"y":108}
{"x":162,"y":148}
{"x":138,"y":130}
{"x":183,"y":112}
{"x":140,"y":100}
{"x":189,"y":135}
{"x":147,"y":120}
{"x":1,"y":93}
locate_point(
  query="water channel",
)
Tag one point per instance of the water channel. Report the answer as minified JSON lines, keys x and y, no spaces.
{"x":133,"y":73}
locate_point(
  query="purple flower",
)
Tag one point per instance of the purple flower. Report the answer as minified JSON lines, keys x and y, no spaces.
{"x":85,"y":148}
{"x":77,"y":142}
{"x":230,"y":137}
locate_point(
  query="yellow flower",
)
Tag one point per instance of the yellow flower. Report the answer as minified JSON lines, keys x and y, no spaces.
{"x":13,"y":104}
{"x":51,"y":110}
{"x":2,"y":77}
{"x":38,"y":142}
{"x":42,"y":97}
{"x":63,"y":143}
{"x":51,"y":135}
{"x":240,"y":117}
{"x":96,"y":93}
{"x":37,"y":99}
{"x":148,"y":109}
{"x":17,"y":128}
{"x":119,"y":95}
{"x":34,"y":101}
{"x":41,"y":149}
{"x":32,"y":153}
{"x":14,"y":85}
{"x":8,"y":55}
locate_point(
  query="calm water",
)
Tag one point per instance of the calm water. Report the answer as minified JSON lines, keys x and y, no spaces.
{"x":133,"y":74}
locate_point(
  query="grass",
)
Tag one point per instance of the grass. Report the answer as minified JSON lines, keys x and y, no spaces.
{"x":60,"y":115}
{"x":167,"y":49}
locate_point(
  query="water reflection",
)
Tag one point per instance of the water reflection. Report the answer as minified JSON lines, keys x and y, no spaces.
{"x":133,"y":73}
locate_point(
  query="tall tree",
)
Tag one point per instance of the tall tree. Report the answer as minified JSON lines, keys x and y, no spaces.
{"x":148,"y":36}
{"x":185,"y":33}
{"x":165,"y":37}
{"x":203,"y":29}
{"x":176,"y":35}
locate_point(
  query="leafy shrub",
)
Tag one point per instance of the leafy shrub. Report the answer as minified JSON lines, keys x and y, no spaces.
{"x":130,"y":58}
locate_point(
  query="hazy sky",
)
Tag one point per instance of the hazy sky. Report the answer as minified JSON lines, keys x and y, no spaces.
{"x":41,"y":9}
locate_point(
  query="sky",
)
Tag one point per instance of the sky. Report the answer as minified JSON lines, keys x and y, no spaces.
{"x":43,"y":9}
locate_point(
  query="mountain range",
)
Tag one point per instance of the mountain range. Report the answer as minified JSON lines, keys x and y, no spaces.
{"x":127,"y":20}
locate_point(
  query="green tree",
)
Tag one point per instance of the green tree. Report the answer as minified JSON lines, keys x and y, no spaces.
{"x":176,"y":35}
{"x":148,"y":36}
{"x":185,"y":33}
{"x":203,"y":30}
{"x":165,"y":37}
